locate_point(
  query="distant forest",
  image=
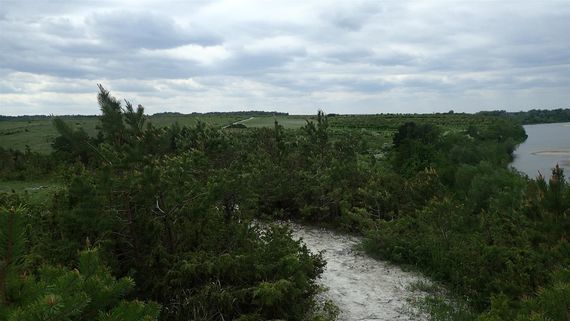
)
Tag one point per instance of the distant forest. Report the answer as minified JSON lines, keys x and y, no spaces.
{"x":533,"y":116}
{"x":167,"y":113}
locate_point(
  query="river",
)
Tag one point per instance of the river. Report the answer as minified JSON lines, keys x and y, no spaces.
{"x":363,"y":288}
{"x":546,"y":146}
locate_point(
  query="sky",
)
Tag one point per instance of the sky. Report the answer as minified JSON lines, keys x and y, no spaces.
{"x":292,"y":56}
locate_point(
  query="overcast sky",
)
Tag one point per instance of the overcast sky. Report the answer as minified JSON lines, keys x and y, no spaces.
{"x":293,"y":56}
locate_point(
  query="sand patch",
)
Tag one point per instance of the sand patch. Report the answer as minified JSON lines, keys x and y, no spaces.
{"x":552,"y":153}
{"x":363,"y":288}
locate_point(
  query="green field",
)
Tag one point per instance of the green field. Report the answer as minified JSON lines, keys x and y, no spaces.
{"x":36,"y":192}
{"x":291,"y":122}
{"x":38,"y":132}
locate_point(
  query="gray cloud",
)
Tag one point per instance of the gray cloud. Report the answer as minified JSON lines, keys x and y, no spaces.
{"x":354,"y":15}
{"x":134,"y":30}
{"x":355,"y":56}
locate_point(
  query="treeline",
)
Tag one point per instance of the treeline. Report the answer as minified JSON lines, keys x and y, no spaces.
{"x":23,"y":165}
{"x":241,"y":113}
{"x":392,"y":122}
{"x":40,"y":117}
{"x":535,"y":116}
{"x":171,"y":208}
{"x":225,"y":113}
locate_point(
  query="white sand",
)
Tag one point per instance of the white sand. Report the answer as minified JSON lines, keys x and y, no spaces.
{"x":363,"y":288}
{"x":553,"y":153}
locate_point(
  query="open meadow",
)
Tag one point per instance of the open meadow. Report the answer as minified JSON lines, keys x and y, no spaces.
{"x":38,"y":133}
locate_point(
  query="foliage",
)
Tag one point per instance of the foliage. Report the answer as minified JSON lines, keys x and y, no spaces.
{"x":17,"y":165}
{"x":494,"y":234}
{"x":167,"y":207}
{"x":56,"y":293}
{"x":536,"y":116}
{"x":38,"y":132}
{"x":173,"y":208}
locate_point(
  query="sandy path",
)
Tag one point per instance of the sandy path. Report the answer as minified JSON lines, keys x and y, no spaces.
{"x":238,"y":122}
{"x":363,"y":288}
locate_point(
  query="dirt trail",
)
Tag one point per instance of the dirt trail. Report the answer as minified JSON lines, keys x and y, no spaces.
{"x":363,"y":288}
{"x":238,"y":122}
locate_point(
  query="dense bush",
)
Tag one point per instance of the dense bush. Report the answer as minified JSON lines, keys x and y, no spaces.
{"x":493,"y":235}
{"x":18,"y":165}
{"x":167,"y":208}
{"x":49,"y":292}
{"x":173,"y":208}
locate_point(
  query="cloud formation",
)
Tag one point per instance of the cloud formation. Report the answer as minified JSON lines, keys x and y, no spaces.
{"x":342,"y":56}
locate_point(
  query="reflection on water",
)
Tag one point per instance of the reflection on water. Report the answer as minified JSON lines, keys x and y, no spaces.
{"x":546,"y":146}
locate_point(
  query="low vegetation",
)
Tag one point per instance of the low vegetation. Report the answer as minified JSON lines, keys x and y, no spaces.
{"x":168,"y":213}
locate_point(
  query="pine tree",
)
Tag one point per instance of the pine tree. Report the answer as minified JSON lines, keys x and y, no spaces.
{"x":89,"y":292}
{"x":73,"y":144}
{"x":12,"y":244}
{"x":112,"y":125}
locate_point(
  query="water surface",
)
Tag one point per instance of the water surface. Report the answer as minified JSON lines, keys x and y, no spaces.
{"x":546,"y":146}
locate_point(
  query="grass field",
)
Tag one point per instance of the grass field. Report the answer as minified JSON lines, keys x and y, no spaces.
{"x":35,"y":191}
{"x":39,"y":133}
{"x":290,"y":122}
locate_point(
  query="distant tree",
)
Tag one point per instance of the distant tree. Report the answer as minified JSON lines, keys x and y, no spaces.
{"x":73,"y":145}
{"x":424,"y":133}
{"x":415,"y":148}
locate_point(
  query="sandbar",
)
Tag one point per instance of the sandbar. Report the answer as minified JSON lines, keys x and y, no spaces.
{"x":553,"y":153}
